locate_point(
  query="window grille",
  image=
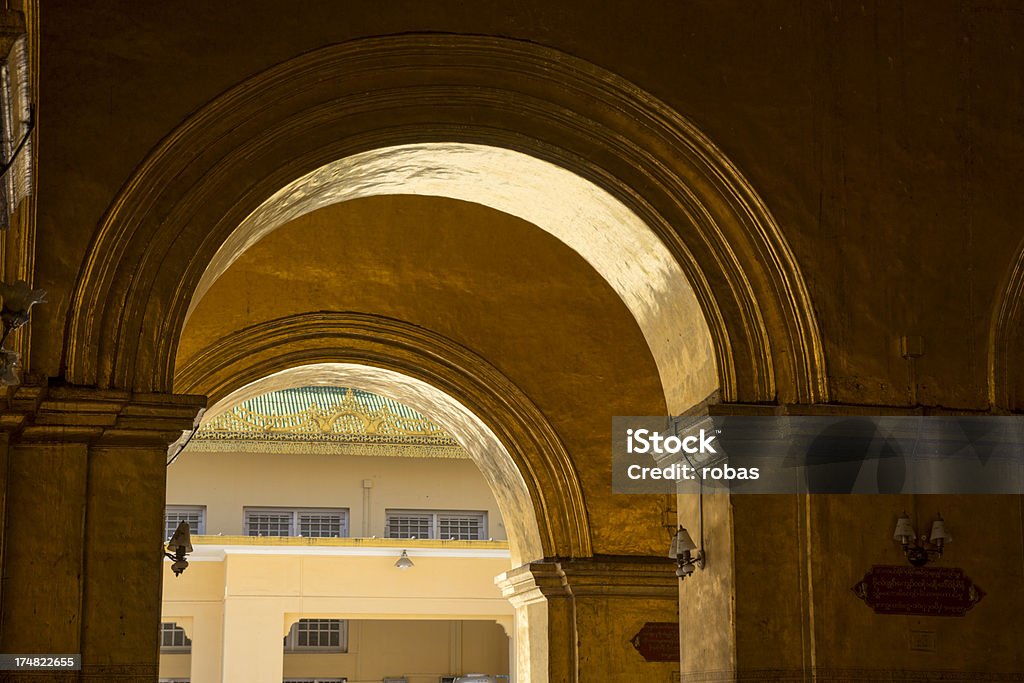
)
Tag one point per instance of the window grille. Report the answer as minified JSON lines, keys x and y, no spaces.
{"x":321,"y":525}
{"x":409,"y":525}
{"x":460,"y":526}
{"x":174,"y":515}
{"x":305,"y":523}
{"x":320,"y":635}
{"x":173,"y":638}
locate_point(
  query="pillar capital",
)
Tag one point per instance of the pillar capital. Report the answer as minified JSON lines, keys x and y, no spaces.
{"x":608,"y":576}
{"x":565,"y":603}
{"x":103,"y":417}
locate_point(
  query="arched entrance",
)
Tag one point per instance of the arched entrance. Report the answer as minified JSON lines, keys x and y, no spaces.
{"x":719,"y":301}
{"x":504,"y":433}
{"x":483,"y":446}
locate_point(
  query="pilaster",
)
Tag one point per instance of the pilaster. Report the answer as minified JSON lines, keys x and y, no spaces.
{"x":82,"y":561}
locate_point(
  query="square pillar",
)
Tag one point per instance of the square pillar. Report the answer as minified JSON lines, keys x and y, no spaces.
{"x":207,"y":645}
{"x":254,"y":630}
{"x":83,"y":556}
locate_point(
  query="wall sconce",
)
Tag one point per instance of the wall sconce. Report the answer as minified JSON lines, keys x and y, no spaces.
{"x":178,"y":547}
{"x":681,"y":551}
{"x":19,"y":299}
{"x":404,"y":562}
{"x":920,"y":551}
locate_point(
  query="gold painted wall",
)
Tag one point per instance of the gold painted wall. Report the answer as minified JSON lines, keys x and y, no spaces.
{"x":885,"y":140}
{"x":872,"y":132}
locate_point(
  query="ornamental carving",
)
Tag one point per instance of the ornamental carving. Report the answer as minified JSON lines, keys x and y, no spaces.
{"x":344,"y":418}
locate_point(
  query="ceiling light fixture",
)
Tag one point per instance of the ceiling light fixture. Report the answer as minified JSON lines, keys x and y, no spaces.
{"x":404,"y":562}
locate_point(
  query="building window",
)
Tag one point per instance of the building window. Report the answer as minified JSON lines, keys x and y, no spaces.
{"x":305,"y":523}
{"x":174,"y":515}
{"x":317,"y":635}
{"x":173,"y":638}
{"x":446,"y":526}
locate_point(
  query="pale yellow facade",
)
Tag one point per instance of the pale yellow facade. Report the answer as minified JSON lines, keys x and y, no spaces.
{"x":240,"y":594}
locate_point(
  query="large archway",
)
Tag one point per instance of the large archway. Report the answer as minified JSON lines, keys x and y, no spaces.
{"x":193,"y":192}
{"x":1005,"y":352}
{"x":720,"y":300}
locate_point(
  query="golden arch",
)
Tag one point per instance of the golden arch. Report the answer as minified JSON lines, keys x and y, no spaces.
{"x":162,"y":232}
{"x":1006,"y":353}
{"x":543,"y":474}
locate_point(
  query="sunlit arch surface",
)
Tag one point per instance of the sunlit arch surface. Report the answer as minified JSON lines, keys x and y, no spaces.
{"x":483,"y":446}
{"x":599,"y":227}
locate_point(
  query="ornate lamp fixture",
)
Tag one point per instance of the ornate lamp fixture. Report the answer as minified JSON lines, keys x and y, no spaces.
{"x":178,"y":547}
{"x":920,"y":551}
{"x":681,"y":551}
{"x":19,"y":299}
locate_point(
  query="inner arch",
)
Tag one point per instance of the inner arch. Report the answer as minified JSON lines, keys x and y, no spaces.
{"x":484,"y":447}
{"x":609,"y":236}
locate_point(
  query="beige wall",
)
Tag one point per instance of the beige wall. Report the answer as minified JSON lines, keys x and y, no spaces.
{"x":429,"y":650}
{"x":227,"y":482}
{"x":240,"y":594}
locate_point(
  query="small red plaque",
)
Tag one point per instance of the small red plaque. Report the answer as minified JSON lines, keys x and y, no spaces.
{"x":658,"y":641}
{"x":918,"y":591}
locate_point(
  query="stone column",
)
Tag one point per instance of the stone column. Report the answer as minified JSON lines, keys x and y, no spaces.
{"x":575,"y":619}
{"x":84,"y":509}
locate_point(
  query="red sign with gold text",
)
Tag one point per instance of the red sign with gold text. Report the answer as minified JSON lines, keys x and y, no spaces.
{"x":918,"y":591}
{"x":658,"y":641}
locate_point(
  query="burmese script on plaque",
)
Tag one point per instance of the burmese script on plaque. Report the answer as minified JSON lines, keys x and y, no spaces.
{"x":918,"y":591}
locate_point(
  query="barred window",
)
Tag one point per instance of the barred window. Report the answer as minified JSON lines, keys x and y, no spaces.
{"x":321,"y":525}
{"x":462,"y":527}
{"x":322,"y":635}
{"x":443,"y":525}
{"x":305,"y":523}
{"x":267,"y":523}
{"x":174,"y":515}
{"x":409,"y":525}
{"x":173,"y":638}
